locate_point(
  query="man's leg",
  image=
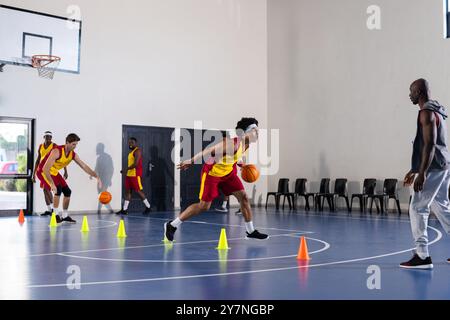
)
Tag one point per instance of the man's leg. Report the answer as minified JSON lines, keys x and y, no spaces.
{"x":441,"y":205}
{"x":194,"y":209}
{"x":142,"y":196}
{"x":419,"y":213}
{"x":247,"y":213}
{"x":48,"y":201}
{"x":126,"y":201}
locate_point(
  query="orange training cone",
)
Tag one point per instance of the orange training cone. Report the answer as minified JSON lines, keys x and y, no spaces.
{"x":21,"y":217}
{"x":303,"y":250}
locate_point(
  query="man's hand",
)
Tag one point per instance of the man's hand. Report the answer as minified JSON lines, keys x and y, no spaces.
{"x":185,"y":165}
{"x":33,"y":179}
{"x":66,"y":175}
{"x":409,"y":179}
{"x":418,"y":184}
{"x":53,"y":187}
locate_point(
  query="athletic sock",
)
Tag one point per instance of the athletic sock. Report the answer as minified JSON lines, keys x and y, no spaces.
{"x":50,"y":207}
{"x":147,"y":204}
{"x":249,"y":227}
{"x":176,"y":223}
{"x":224,"y":205}
{"x":65,"y":214}
{"x":125,"y":205}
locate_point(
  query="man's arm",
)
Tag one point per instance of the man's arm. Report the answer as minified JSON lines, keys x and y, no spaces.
{"x":36,"y":164}
{"x":218,"y":148}
{"x":88,"y":170}
{"x":85,"y":167}
{"x":66,"y":174}
{"x":54,"y":154}
{"x":427,"y":121}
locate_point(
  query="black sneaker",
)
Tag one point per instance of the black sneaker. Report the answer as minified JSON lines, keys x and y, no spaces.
{"x":123,"y":212}
{"x":221,"y":209}
{"x":169,"y":230}
{"x":448,"y":260}
{"x":46,"y":213}
{"x":68,"y":219}
{"x":417,"y":263}
{"x":238,"y":212}
{"x":147,"y":210}
{"x":58,"y":219}
{"x":256,"y":235}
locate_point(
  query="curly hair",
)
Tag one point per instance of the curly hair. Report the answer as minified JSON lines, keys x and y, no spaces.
{"x":244,"y":123}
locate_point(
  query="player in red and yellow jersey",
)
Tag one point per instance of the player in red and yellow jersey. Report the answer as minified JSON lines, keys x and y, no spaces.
{"x":133,"y":179}
{"x":48,"y":172}
{"x":43,"y":150}
{"x":220,"y":171}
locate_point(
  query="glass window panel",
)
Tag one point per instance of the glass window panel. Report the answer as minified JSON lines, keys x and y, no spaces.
{"x":13,"y":148}
{"x":13,"y":194}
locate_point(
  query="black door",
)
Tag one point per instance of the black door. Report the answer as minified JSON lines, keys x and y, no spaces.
{"x":158,"y":169}
{"x":16,"y":165}
{"x":191,"y":178}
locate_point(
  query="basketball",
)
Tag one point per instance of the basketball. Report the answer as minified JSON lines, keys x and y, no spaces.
{"x":105,"y":197}
{"x":250,"y":173}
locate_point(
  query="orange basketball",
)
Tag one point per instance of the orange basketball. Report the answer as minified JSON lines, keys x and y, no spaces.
{"x":250,"y":173}
{"x":105,"y":197}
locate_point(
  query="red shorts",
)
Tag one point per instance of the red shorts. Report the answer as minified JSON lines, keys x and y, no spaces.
{"x":209,"y":189}
{"x":133,"y":183}
{"x":58,"y":180}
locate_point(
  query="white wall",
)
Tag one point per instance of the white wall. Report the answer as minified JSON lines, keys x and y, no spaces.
{"x":340,"y":92}
{"x":154,"y":63}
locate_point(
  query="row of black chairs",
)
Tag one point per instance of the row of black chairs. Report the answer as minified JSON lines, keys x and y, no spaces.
{"x":340,"y":191}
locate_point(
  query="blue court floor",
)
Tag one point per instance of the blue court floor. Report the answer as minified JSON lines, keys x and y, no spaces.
{"x":39,"y":263}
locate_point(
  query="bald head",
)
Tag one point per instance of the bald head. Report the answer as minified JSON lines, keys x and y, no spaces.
{"x":419,"y":91}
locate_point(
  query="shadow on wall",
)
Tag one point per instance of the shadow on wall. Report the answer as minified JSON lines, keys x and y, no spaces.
{"x":104,"y":168}
{"x":158,"y":179}
{"x":324,"y":172}
{"x":253,"y":201}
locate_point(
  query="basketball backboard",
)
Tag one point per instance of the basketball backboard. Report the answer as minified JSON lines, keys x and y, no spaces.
{"x":24,"y":33}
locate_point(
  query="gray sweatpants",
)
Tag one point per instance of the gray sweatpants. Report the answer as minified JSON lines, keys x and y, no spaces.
{"x":434,"y":196}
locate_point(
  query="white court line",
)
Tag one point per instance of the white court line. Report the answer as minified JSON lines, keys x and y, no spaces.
{"x":224,"y":224}
{"x":439,"y":236}
{"x":325,"y":247}
{"x":153,"y":245}
{"x":75,"y":228}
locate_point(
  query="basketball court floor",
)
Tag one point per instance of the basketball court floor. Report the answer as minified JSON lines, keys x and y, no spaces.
{"x":344,"y":250}
{"x":166,"y":102}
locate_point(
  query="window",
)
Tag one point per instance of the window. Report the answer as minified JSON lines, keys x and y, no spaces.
{"x":16,"y":162}
{"x":446,"y":18}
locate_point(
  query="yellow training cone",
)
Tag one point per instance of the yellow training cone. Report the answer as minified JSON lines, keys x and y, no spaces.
{"x":85,"y":225}
{"x":121,"y":231}
{"x":53,"y":220}
{"x":223,"y":243}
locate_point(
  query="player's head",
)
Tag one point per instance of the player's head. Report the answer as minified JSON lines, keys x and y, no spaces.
{"x":48,"y":136}
{"x":248,"y":127}
{"x":72,"y":141}
{"x":419,"y":89}
{"x":132,"y":143}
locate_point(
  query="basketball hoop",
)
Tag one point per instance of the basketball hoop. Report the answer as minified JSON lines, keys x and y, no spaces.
{"x":46,"y":65}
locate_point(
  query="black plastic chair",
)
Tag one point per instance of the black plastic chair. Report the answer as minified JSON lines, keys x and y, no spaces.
{"x":300,"y":191}
{"x":368,"y":191}
{"x":389,"y":192}
{"x":324,"y":188}
{"x":283,"y":190}
{"x":340,"y":191}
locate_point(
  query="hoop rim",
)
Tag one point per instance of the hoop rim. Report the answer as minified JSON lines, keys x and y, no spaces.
{"x":42,"y":60}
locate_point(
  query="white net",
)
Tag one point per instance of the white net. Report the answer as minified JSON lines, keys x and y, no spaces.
{"x":46,"y":65}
